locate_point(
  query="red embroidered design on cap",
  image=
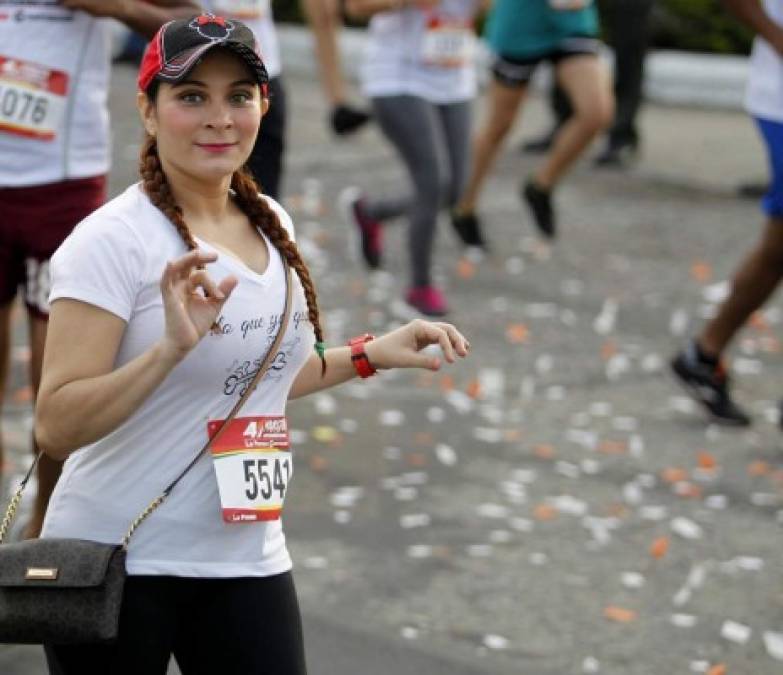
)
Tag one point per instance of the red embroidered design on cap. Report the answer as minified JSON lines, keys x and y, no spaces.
{"x":211,"y":27}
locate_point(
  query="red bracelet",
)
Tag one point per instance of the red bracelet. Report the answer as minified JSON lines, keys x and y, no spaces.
{"x":359,"y":356}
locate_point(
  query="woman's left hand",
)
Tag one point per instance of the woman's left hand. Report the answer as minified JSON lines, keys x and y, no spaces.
{"x":402,"y":348}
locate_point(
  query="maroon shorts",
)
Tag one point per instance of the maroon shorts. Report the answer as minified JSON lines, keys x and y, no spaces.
{"x":34,"y":221}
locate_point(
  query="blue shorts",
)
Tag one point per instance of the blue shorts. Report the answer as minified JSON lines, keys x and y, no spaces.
{"x":772,"y":132}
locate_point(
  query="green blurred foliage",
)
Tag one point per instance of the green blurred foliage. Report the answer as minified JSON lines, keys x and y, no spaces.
{"x":692,"y":25}
{"x":699,"y":25}
{"x":287,"y":11}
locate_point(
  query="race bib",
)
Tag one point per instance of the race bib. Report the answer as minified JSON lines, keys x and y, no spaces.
{"x":244,"y":10}
{"x":569,"y":5}
{"x":448,"y":44}
{"x":32,"y":99}
{"x":253,"y":466}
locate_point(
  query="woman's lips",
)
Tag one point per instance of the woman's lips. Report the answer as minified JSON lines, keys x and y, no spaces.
{"x":216,"y":147}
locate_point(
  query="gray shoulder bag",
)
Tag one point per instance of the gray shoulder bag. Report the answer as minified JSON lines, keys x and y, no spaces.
{"x":66,"y":591}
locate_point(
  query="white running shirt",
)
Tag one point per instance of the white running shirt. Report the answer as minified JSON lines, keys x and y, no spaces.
{"x":764,"y":96}
{"x":114,"y":260}
{"x":256,"y":15}
{"x":54,"y":74}
{"x":429,"y":53}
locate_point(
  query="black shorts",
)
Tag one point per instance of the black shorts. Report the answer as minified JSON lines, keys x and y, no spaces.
{"x":515,"y":72}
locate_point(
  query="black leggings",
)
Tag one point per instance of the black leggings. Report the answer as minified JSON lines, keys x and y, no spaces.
{"x":242,"y":626}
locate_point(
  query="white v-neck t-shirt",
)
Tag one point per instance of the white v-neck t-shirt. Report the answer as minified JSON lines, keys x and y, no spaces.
{"x":114,"y":260}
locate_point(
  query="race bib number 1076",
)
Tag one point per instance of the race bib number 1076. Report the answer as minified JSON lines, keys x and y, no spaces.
{"x":32,"y":99}
{"x":253,"y":466}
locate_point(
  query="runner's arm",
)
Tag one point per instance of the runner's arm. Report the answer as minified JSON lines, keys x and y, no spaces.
{"x":751,"y":13}
{"x":143,"y":16}
{"x":82,"y":396}
{"x":401,"y":348}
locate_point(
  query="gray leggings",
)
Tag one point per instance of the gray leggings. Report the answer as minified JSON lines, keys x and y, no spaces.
{"x":434,"y":142}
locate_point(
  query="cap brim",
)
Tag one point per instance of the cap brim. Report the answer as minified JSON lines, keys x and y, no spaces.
{"x":181,"y":66}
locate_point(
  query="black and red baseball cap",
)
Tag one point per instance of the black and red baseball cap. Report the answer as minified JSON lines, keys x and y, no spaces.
{"x":179,"y":46}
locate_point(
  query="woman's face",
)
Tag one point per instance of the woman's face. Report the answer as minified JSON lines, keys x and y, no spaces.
{"x":206,"y":125}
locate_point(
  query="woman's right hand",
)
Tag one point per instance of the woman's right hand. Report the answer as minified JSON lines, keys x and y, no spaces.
{"x":192,"y":301}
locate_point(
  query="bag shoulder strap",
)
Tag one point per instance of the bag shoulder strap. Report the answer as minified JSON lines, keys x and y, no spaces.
{"x":155,"y":503}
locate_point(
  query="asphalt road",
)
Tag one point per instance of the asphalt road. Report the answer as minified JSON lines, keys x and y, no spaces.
{"x":554,"y":504}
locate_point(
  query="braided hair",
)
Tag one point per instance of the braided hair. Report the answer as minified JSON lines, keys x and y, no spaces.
{"x":254,"y":206}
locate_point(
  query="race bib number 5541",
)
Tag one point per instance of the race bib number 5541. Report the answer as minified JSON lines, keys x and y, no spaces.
{"x":32,"y":99}
{"x":253,"y":466}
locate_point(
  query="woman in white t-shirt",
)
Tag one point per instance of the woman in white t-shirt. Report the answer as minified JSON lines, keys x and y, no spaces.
{"x":419,"y":73}
{"x":164,"y":303}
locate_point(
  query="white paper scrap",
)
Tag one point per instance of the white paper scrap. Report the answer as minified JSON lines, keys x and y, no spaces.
{"x":735,"y":632}
{"x":591,"y":665}
{"x":774,"y":644}
{"x":410,"y":520}
{"x":495,"y":642}
{"x":392,"y":418}
{"x":445,"y":454}
{"x":632,"y":580}
{"x":686,"y":528}
{"x":683,"y":620}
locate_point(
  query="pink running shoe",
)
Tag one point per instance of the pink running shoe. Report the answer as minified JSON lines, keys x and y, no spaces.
{"x":370,"y":231}
{"x":428,"y":300}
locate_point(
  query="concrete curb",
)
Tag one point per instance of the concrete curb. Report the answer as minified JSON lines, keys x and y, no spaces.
{"x":673,"y":77}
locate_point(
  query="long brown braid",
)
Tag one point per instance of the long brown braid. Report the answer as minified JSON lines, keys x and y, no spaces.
{"x":254,"y":206}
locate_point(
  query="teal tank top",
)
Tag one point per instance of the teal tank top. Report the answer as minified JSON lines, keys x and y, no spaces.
{"x":529,"y":28}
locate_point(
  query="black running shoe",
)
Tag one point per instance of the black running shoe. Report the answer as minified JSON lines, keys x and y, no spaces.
{"x":709,"y":386}
{"x":540,"y":203}
{"x":468,"y":228}
{"x":345,"y":120}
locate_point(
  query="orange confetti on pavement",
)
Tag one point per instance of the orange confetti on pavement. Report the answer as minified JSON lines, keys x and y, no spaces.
{"x":473,"y":389}
{"x":424,"y":438}
{"x":674,"y":474}
{"x":618,"y":510}
{"x":318,"y":463}
{"x":619,"y":614}
{"x":608,"y":349}
{"x":23,"y":395}
{"x":466,"y":269}
{"x":688,"y":490}
{"x":446,"y":383}
{"x":659,"y":548}
{"x":701,"y":271}
{"x":706,"y":461}
{"x":758,"y":321}
{"x":544,"y":512}
{"x":511,"y":435}
{"x":758,"y":468}
{"x":544,"y":451}
{"x":517,"y":333}
{"x":717,"y":669}
{"x":417,"y":459}
{"x":613,"y":447}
